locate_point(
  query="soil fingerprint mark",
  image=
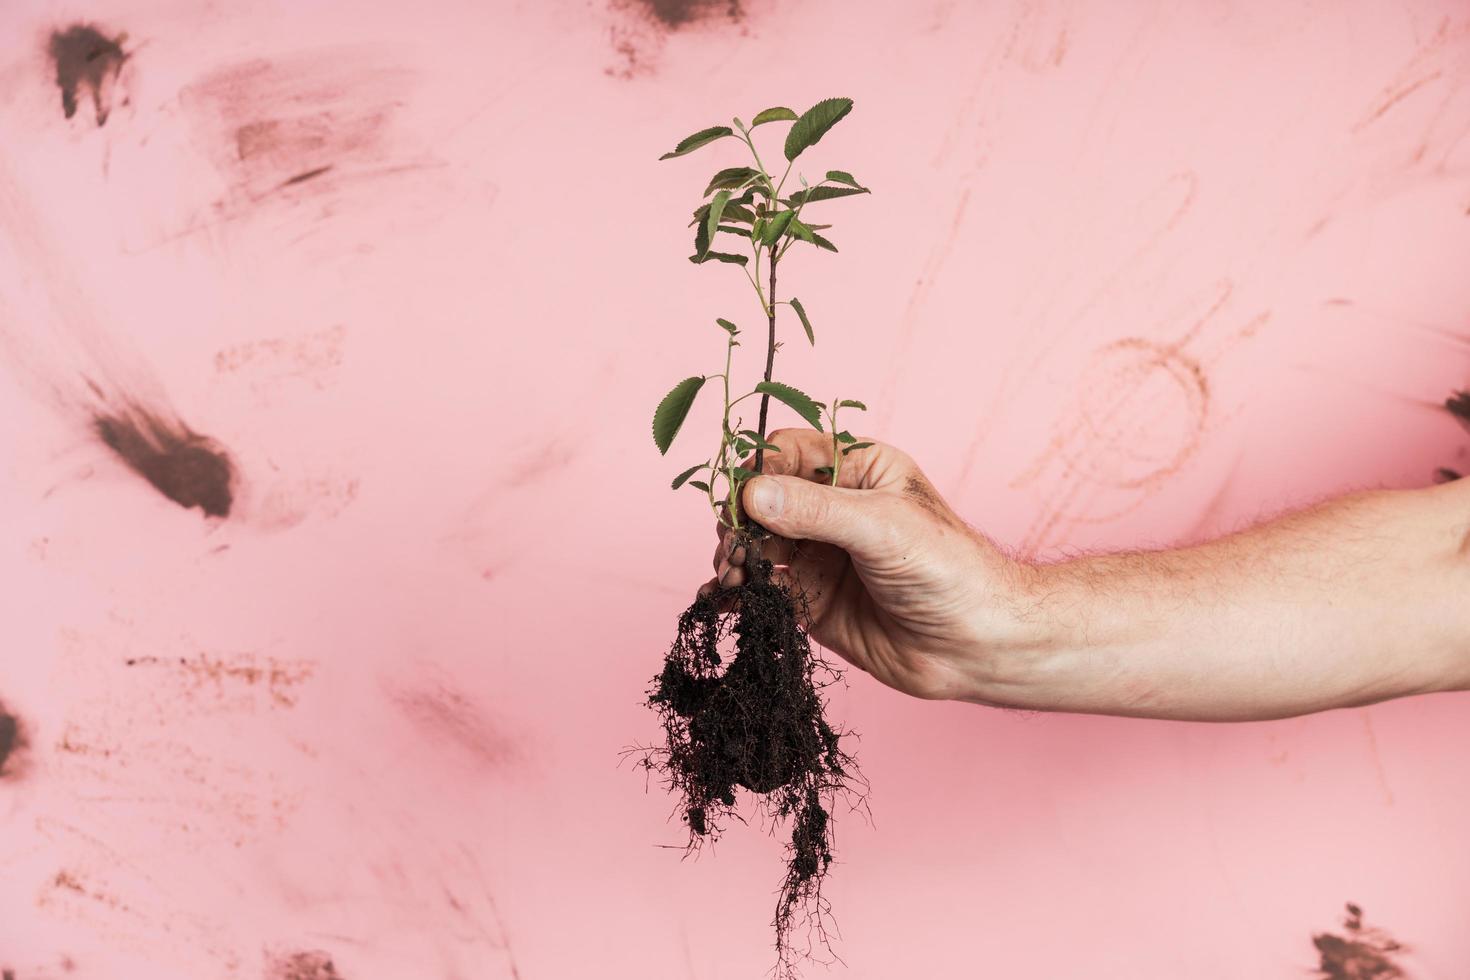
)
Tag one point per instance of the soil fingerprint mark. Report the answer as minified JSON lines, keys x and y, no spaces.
{"x":84,"y":57}
{"x":1362,"y":954}
{"x":187,"y":468}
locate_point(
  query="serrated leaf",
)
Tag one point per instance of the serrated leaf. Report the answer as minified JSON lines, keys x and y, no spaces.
{"x":735,"y":230}
{"x":777,"y":113}
{"x":716,"y":209}
{"x":805,"y":323}
{"x":796,"y":400}
{"x":760,"y":443}
{"x":743,"y":447}
{"x":842,"y":177}
{"x":846,"y":437}
{"x":813,"y":124}
{"x":821,"y":193}
{"x":702,"y":138}
{"x":701,"y":241}
{"x":823,"y":471}
{"x":734,"y":212}
{"x":758,"y":229}
{"x":741,"y":473}
{"x":679,"y":480}
{"x":776,"y":227}
{"x":803,"y":231}
{"x":730,"y":177}
{"x":671,"y":411}
{"x":823,"y":243}
{"x":719,"y":257}
{"x":729,"y":327}
{"x":699,"y":484}
{"x":852,"y":403}
{"x":856,"y":445}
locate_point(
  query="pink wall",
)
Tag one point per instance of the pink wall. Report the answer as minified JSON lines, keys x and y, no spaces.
{"x":1132,"y":273}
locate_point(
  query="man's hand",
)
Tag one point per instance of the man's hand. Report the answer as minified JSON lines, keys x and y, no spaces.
{"x":1358,"y":599}
{"x":896,"y":583}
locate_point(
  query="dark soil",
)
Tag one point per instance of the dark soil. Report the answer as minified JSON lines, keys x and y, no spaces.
{"x":1364,"y":953}
{"x":755,"y":723}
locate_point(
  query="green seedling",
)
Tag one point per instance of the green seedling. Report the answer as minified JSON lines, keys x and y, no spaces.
{"x":753,"y":717}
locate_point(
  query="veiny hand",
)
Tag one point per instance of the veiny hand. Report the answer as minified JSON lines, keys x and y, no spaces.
{"x":896,"y":583}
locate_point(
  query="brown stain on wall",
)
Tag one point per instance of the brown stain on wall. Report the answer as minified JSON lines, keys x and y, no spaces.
{"x":220,"y":674}
{"x":642,"y":27}
{"x":305,"y":123}
{"x":13,"y":742}
{"x":1362,"y":953}
{"x":1458,"y":405}
{"x":305,"y":965}
{"x":184,"y":466}
{"x":85,"y":58}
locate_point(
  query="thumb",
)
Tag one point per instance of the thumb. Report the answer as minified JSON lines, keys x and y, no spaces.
{"x":802,"y":510}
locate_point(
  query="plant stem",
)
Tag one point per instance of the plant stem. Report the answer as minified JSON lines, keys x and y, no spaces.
{"x":770,"y":361}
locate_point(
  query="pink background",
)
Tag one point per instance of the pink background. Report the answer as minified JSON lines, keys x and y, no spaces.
{"x":1131,"y":274}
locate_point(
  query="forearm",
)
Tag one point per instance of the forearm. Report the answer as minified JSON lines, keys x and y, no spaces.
{"x":1360,"y":599}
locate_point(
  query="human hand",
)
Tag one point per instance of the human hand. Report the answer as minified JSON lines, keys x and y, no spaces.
{"x":895,"y":582}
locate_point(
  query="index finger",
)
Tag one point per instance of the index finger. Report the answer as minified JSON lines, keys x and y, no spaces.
{"x":804,"y":451}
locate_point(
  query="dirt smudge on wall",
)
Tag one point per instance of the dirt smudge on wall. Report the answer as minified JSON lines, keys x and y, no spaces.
{"x":234,"y":678}
{"x":85,"y":58}
{"x":184,"y":466}
{"x":450,"y":719}
{"x":298,"y":124}
{"x":13,"y":742}
{"x":1458,"y":405}
{"x":1363,"y":953}
{"x":307,"y":965}
{"x":641,"y":27}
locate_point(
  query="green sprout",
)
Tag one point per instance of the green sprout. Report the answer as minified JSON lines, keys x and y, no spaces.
{"x":747,"y":203}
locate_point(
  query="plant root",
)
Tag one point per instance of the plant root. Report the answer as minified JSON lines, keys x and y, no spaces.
{"x":756,"y":723}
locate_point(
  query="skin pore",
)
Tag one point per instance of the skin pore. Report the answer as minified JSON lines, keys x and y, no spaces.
{"x":1358,"y":599}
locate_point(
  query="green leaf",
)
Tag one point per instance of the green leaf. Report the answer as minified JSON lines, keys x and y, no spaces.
{"x":699,"y":484}
{"x":856,"y":445}
{"x":719,"y":257}
{"x":730,"y":177}
{"x":729,"y":327}
{"x":823,"y":471}
{"x":671,"y":411}
{"x":842,"y":177}
{"x":760,"y":443}
{"x":744,"y":447}
{"x":735,"y":230}
{"x":821,"y":193}
{"x":800,"y":403}
{"x":705,"y":136}
{"x":805,"y":323}
{"x":774,"y":114}
{"x":803,"y":231}
{"x":814,"y":123}
{"x":823,"y":243}
{"x":679,"y":480}
{"x":776,"y":227}
{"x":734,"y":212}
{"x":712,"y":220}
{"x":846,"y":437}
{"x":852,"y":403}
{"x":701,"y":240}
{"x":741,"y":473}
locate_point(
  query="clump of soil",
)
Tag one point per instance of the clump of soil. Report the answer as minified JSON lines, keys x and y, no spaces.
{"x":755,"y":723}
{"x":1363,"y":954}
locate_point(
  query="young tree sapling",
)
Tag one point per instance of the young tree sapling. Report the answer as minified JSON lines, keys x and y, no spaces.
{"x":756,"y":721}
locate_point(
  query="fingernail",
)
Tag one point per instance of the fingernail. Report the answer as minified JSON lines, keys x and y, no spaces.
{"x":768,"y":498}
